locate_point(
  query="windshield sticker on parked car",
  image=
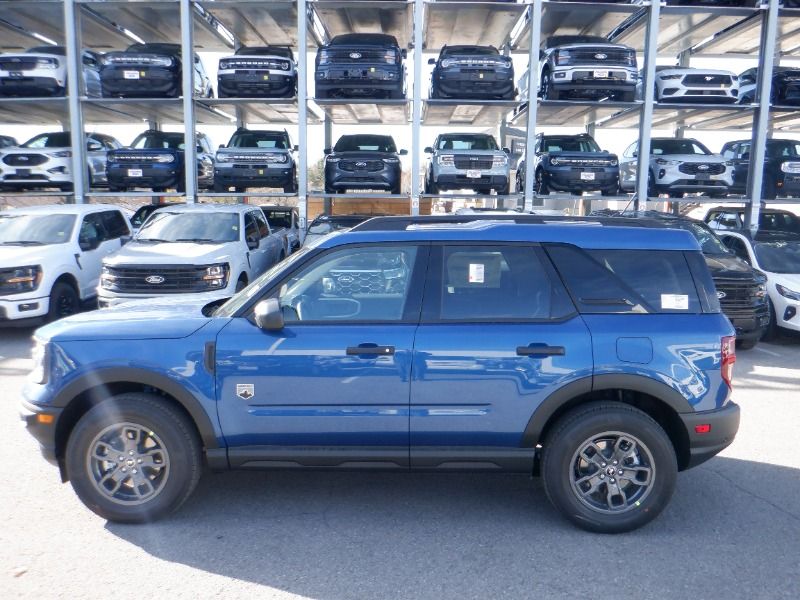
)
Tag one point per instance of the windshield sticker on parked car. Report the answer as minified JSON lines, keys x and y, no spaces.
{"x":675,"y":301}
{"x":476,"y":273}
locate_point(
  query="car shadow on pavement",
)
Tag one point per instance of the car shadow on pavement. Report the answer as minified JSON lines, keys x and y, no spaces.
{"x":457,"y":535}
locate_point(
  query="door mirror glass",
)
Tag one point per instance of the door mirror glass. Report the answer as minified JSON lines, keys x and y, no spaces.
{"x":403,"y":152}
{"x":431,"y":61}
{"x":268,"y":315}
{"x":252,"y":242}
{"x":94,"y":146}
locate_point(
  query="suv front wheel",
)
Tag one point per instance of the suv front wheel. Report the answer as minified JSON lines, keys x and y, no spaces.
{"x":133,"y":458}
{"x":608,"y":467}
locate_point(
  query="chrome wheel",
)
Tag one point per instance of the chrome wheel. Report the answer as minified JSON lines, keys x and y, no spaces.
{"x":128,"y":463}
{"x":612,"y":472}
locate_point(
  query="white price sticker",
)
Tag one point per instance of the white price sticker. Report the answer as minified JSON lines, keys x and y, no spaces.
{"x":675,"y":301}
{"x":131,"y":74}
{"x":476,"y":273}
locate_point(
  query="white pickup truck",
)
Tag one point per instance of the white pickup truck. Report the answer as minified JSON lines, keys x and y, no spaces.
{"x":202,"y":249}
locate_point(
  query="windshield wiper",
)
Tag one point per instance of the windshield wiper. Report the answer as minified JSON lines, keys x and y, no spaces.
{"x":154,"y":240}
{"x":199,"y":240}
{"x":23,"y":243}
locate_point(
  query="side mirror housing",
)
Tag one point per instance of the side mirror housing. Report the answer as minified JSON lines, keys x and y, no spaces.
{"x":431,"y":61}
{"x":295,"y":147}
{"x":252,"y":243}
{"x":221,"y":146}
{"x":403,"y":152}
{"x":89,"y":244}
{"x":635,"y":154}
{"x":428,"y":150}
{"x":268,"y":315}
{"x":507,"y":150}
{"x":404,"y":53}
{"x":326,"y":151}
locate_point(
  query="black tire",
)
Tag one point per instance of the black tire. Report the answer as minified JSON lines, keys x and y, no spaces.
{"x":430,"y":185}
{"x":747,"y":344}
{"x":397,"y":190}
{"x":626,"y":96}
{"x":323,"y":94}
{"x":117,"y":188}
{"x":241,"y":283}
{"x":65,"y":187}
{"x":505,"y":190}
{"x":612,"y":191}
{"x":652,"y":192}
{"x":675,"y":194}
{"x":330,"y":190}
{"x":520,"y":182}
{"x":169,"y":442}
{"x":579,"y":451}
{"x":64,"y":301}
{"x":220,"y":188}
{"x":772,"y":332}
{"x":291,"y":188}
{"x":180,"y":186}
{"x":542,"y":189}
{"x":546,"y":90}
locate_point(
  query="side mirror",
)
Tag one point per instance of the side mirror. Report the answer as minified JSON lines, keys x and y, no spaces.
{"x":268,"y":315}
{"x":635,"y":153}
{"x":326,"y":151}
{"x":428,"y":150}
{"x":295,"y":147}
{"x":200,"y":149}
{"x":507,"y":150}
{"x":403,"y":152}
{"x":221,"y":146}
{"x":431,"y":61}
{"x":252,"y":243}
{"x":94,"y":146}
{"x":196,"y":60}
{"x":89,"y":244}
{"x":404,"y":53}
{"x":125,"y":239}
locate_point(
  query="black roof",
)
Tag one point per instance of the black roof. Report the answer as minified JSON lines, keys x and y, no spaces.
{"x":57,"y":50}
{"x":565,"y":40}
{"x":363,"y":39}
{"x":283,"y":51}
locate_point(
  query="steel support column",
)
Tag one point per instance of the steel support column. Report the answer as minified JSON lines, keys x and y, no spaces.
{"x":302,"y":116}
{"x":416,"y":112}
{"x":327,"y":125}
{"x":646,"y":118}
{"x":769,"y":32}
{"x":189,"y":137}
{"x":535,"y":20}
{"x":74,"y":88}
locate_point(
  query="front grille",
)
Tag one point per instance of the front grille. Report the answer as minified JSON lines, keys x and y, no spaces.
{"x":254,"y":63}
{"x":584,"y":162}
{"x":358,"y":55}
{"x":270,"y":157}
{"x":740,"y":296}
{"x":11,"y":65}
{"x":700,"y":80}
{"x":135,"y":158}
{"x":24,"y":160}
{"x":701,"y":168}
{"x":351,"y":282}
{"x":361,"y":165}
{"x":600,"y":56}
{"x":177,"y":279}
{"x":473,"y":162}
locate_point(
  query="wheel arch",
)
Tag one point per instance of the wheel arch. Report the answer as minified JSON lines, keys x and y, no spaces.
{"x":656,"y":399}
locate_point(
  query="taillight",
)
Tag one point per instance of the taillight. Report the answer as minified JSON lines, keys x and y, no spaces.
{"x":728,"y":359}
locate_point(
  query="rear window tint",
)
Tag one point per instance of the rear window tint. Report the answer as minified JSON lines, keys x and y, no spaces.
{"x":627,"y":281}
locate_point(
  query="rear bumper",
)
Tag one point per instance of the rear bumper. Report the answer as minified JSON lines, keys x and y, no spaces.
{"x":723,"y":422}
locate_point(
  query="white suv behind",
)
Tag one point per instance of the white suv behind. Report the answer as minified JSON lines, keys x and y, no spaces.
{"x":208,"y":249}
{"x":51,"y":256}
{"x":42,"y":71}
{"x":678,"y":166}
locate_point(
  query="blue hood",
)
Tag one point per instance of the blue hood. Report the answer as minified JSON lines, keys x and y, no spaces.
{"x":156,"y":318}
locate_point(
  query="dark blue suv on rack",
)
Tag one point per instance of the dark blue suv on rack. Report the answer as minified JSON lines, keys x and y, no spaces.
{"x":593,"y":355}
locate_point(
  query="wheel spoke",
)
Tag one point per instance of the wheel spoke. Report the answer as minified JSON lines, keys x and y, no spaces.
{"x":624,"y":448}
{"x":149,"y":458}
{"x":634,"y":474}
{"x":117,"y":476}
{"x":597,"y":459}
{"x":613,"y":490}
{"x":139,"y":482}
{"x":595,"y":482}
{"x":131,"y":436}
{"x":105,"y":452}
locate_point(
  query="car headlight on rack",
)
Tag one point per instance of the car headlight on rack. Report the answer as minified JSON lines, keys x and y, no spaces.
{"x":790,"y":167}
{"x":499,"y":161}
{"x":666,"y":77}
{"x":165,"y":158}
{"x":62,"y":154}
{"x":224,"y":158}
{"x":665,"y":162}
{"x":787,"y":293}
{"x":447,"y":160}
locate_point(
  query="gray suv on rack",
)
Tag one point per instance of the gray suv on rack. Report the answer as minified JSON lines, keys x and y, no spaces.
{"x":254,"y":158}
{"x":467,"y":161}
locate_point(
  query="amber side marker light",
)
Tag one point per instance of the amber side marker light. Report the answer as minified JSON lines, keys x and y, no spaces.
{"x":45,"y":419}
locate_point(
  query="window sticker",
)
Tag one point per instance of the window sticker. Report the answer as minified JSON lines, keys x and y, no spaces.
{"x":675,"y":301}
{"x":476,"y":272}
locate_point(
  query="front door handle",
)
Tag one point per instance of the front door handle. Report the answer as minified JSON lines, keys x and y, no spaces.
{"x":370,"y":350}
{"x":540,"y":350}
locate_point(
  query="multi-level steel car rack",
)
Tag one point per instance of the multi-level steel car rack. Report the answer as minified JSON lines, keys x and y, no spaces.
{"x":762,"y":32}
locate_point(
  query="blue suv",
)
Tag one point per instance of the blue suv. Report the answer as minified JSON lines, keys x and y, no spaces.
{"x":596,"y":356}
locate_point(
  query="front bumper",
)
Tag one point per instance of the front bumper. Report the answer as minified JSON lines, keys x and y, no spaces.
{"x":458,"y":181}
{"x":152,"y":176}
{"x":386,"y":179}
{"x":152,"y":81}
{"x":475,"y":83}
{"x":749,"y":326}
{"x":789,"y":186}
{"x":724,"y":424}
{"x":361,"y":80}
{"x":583,"y":80}
{"x":106,"y":298}
{"x":567,"y":179}
{"x":256,"y":84}
{"x":54,"y":171}
{"x":24,"y":308}
{"x":253,"y":176}
{"x":40,"y":422}
{"x":787,"y":312}
{"x":30,"y":84}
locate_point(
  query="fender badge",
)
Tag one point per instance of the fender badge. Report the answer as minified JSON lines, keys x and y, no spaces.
{"x":245,"y":391}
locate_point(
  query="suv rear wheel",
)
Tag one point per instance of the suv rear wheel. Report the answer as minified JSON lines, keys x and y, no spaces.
{"x":608,"y":467}
{"x":133,"y":458}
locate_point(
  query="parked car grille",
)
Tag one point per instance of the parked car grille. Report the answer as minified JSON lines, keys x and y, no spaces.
{"x":349,"y":55}
{"x":24,"y":160}
{"x":176,"y":279}
{"x":351,"y":282}
{"x":701,"y":168}
{"x":473,"y":162}
{"x":134,"y":158}
{"x":739,"y":295}
{"x":361,"y":165}
{"x":270,"y":157}
{"x":12,"y":65}
{"x":698,"y":79}
{"x":586,"y":162}
{"x":599,"y":56}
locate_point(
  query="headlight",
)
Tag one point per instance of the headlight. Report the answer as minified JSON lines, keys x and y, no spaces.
{"x":40,"y":356}
{"x":506,"y":64}
{"x":555,"y":162}
{"x":224,"y":158}
{"x":447,"y":62}
{"x":790,"y":167}
{"x":562,"y":57}
{"x":665,"y":162}
{"x":499,"y":161}
{"x":278,"y":158}
{"x":21,"y":279}
{"x":614,"y":162}
{"x":165,"y":158}
{"x":729,"y":163}
{"x":284,"y":66}
{"x":665,"y":77}
{"x":324,"y":56}
{"x":107,"y":280}
{"x":787,"y":293}
{"x":447,"y":160}
{"x":106,"y":60}
{"x":391,"y":160}
{"x":161,"y":61}
{"x":216,"y":276}
{"x":332,"y":159}
{"x":62,"y":154}
{"x":224,"y":65}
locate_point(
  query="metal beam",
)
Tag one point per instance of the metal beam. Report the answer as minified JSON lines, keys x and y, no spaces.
{"x":535,"y":20}
{"x":189,"y":137}
{"x":416,"y":111}
{"x":328,"y":143}
{"x":646,"y":118}
{"x":302,"y":116}
{"x":74,"y":85}
{"x":769,"y":33}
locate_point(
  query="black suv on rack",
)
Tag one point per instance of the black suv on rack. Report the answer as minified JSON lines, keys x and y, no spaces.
{"x":572,"y":164}
{"x":258,"y":71}
{"x":150,"y":70}
{"x":474,"y":72}
{"x":363,"y":162}
{"x":781,"y":172}
{"x":587,"y":66}
{"x":741,"y":289}
{"x":784,"y":89}
{"x":362,"y":65}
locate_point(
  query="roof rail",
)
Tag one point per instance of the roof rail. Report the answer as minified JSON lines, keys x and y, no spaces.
{"x":401,"y":223}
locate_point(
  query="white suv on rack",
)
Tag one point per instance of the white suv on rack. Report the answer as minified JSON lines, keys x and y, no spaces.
{"x":42,"y":71}
{"x":678,"y":166}
{"x":51,"y":256}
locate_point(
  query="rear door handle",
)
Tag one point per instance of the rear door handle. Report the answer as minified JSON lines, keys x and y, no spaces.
{"x":370,"y":350}
{"x":540,"y":350}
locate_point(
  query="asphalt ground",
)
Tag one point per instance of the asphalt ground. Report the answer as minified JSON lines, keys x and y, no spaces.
{"x":731,"y":531}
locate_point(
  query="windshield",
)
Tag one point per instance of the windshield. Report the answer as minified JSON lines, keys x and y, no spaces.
{"x":173,"y":141}
{"x":778,"y":257}
{"x":365,"y":143}
{"x":170,"y":49}
{"x":678,"y":147}
{"x":264,"y":51}
{"x":779,"y":221}
{"x":781,"y":148}
{"x":467,"y":142}
{"x":259,"y":139}
{"x":569,"y":144}
{"x":201,"y":227}
{"x":236,"y":302}
{"x":61,"y":139}
{"x":470,"y":50}
{"x":35,"y":230}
